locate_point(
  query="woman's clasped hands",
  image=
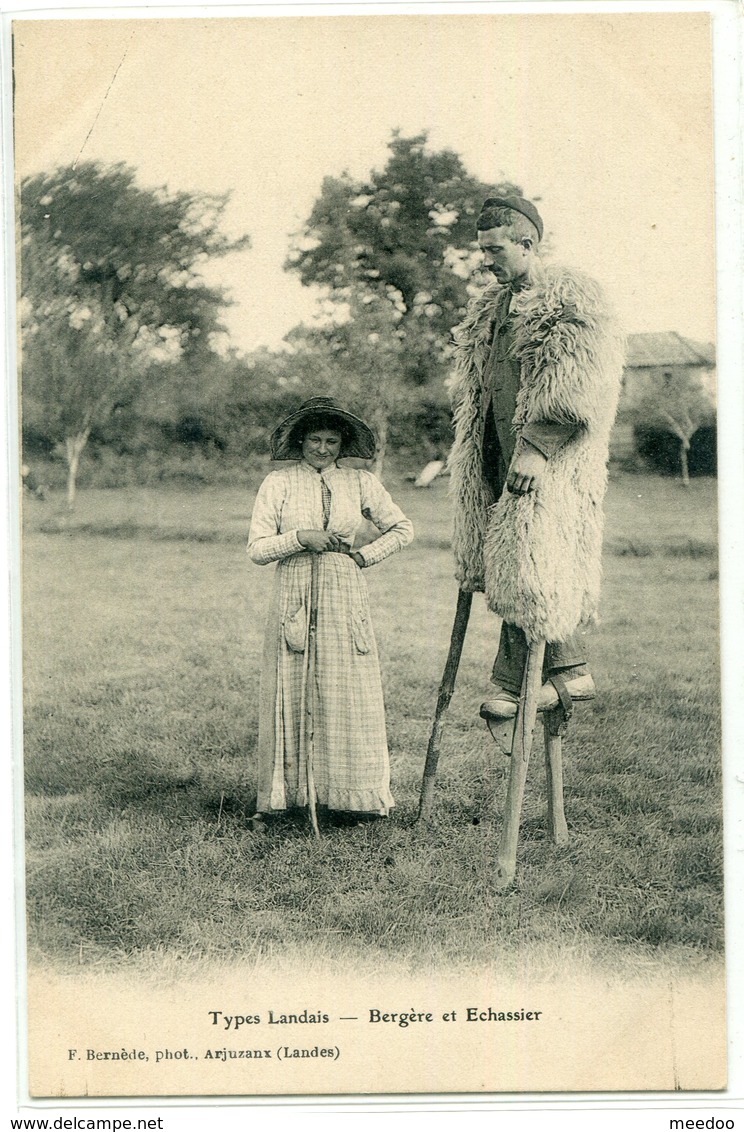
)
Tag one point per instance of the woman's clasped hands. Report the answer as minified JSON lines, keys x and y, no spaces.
{"x":321,"y":541}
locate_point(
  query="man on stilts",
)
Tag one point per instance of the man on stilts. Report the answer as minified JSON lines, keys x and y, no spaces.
{"x":539,"y":362}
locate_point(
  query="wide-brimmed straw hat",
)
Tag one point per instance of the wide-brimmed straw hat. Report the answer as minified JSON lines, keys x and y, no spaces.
{"x":357,"y":438}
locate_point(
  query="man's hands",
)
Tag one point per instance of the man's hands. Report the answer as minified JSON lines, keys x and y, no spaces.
{"x":320,"y":541}
{"x":526,"y":469}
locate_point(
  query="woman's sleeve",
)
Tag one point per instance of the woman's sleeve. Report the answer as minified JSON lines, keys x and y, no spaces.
{"x":265,"y":543}
{"x":379,"y":508}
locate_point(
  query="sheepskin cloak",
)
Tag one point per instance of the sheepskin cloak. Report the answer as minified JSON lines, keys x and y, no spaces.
{"x":538,"y":556}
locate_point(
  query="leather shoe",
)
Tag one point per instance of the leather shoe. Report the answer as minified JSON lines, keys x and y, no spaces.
{"x":258,"y":823}
{"x":579,"y":688}
{"x":502,"y":706}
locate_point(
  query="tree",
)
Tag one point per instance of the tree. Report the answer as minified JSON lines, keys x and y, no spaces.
{"x":395,"y":256}
{"x":679,"y":404}
{"x":111,"y":286}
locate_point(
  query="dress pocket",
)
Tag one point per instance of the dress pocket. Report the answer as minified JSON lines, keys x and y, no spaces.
{"x":295,"y":629}
{"x":360,"y":631}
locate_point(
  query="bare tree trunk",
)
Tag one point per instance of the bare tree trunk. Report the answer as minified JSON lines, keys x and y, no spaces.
{"x":683,"y":449}
{"x":74,"y":446}
{"x":683,"y":429}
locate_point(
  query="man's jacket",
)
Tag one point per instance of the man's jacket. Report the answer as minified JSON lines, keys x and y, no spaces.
{"x":538,"y":556}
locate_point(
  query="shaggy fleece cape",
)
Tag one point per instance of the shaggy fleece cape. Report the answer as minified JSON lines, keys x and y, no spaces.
{"x":538,"y":556}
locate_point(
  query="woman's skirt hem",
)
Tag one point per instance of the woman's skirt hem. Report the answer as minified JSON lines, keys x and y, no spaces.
{"x":350,"y":801}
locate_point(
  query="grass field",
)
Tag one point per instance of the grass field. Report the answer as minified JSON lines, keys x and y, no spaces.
{"x":142,"y":630}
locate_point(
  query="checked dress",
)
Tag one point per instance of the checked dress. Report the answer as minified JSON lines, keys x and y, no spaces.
{"x":351,"y":767}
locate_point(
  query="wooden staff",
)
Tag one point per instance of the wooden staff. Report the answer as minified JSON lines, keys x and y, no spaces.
{"x":506,"y":865}
{"x":446,"y":688}
{"x":555,"y":725}
{"x":309,"y":713}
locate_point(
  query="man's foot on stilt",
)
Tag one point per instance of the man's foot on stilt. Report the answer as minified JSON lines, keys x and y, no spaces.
{"x":578,"y":688}
{"x":503,"y":705}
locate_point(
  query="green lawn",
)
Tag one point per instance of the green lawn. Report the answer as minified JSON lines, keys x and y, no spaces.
{"x":142,"y":630}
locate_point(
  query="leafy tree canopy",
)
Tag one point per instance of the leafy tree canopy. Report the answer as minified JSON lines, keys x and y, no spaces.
{"x":111,"y":286}
{"x":395,"y":257}
{"x":121,"y":261}
{"x":405,"y":235}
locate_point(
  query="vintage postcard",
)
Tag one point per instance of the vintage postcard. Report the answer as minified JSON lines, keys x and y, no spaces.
{"x":423,"y":793}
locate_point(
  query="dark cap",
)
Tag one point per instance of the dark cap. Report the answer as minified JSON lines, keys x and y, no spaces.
{"x":518,"y":204}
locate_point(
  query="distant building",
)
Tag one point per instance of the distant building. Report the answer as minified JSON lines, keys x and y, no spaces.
{"x":656,"y":359}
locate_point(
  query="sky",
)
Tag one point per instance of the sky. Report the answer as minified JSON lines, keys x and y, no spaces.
{"x":607,"y":118}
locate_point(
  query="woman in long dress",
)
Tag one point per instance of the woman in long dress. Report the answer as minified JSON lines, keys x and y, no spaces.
{"x":311,"y":511}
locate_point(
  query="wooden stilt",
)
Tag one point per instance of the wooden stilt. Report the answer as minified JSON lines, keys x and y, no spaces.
{"x":554,"y":723}
{"x":446,"y":688}
{"x":523,"y":732}
{"x":512,"y":736}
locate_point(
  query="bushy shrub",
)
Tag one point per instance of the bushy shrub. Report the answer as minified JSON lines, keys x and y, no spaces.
{"x":208,"y":448}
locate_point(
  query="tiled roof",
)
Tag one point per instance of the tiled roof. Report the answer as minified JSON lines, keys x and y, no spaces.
{"x":668,"y":349}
